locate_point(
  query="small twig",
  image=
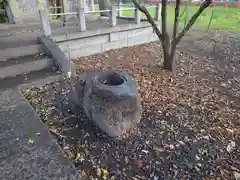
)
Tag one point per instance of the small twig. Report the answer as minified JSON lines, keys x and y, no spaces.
{"x":54,"y":131}
{"x":210,"y":21}
{"x":203,"y":6}
{"x":183,"y":11}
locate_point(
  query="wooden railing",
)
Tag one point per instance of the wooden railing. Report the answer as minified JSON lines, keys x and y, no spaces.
{"x":80,"y":13}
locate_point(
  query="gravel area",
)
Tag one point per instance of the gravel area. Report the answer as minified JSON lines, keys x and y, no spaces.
{"x":190,"y":126}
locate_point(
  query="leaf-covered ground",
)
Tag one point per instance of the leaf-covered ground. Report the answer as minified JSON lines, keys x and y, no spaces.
{"x":190,"y":126}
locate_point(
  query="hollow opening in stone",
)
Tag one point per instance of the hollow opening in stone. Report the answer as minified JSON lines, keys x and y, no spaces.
{"x":112,"y":79}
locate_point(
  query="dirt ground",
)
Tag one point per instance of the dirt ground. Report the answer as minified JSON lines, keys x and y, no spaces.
{"x":190,"y":126}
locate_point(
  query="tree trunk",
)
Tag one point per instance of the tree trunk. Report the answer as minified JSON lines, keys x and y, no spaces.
{"x":104,"y":5}
{"x":169,"y":44}
{"x":168,"y":57}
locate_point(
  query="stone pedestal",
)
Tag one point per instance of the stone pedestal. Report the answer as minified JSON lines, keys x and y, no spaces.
{"x":111,"y":100}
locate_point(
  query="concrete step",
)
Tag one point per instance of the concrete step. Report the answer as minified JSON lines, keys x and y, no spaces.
{"x":19,"y":40}
{"x":22,"y":65}
{"x":19,"y":27}
{"x":27,"y":78}
{"x":16,"y":29}
{"x":22,"y":59}
{"x":15,"y":52}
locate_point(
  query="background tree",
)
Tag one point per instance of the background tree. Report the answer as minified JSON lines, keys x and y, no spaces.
{"x":169,"y":43}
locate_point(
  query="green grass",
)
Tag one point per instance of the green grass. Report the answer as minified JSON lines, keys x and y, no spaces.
{"x":3,"y":18}
{"x":224,"y":18}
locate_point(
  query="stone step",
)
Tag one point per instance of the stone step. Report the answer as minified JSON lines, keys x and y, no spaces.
{"x":23,"y":65}
{"x":10,"y":29}
{"x":22,"y":59}
{"x":19,"y":40}
{"x":26,"y":29}
{"x":27,"y":78}
{"x":17,"y":27}
{"x":9,"y":53}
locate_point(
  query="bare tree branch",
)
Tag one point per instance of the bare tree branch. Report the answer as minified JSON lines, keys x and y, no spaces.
{"x":203,"y":6}
{"x":186,"y":17}
{"x":183,"y":11}
{"x":164,"y":22}
{"x":149,"y":18}
{"x":176,"y":19}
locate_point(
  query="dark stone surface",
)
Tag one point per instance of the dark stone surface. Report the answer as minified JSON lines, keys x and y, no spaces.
{"x":114,"y":108}
{"x":27,"y":149}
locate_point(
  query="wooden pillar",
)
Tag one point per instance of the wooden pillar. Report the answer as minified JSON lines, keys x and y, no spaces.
{"x":113,"y":17}
{"x":81,"y":18}
{"x":137,"y":15}
{"x":119,"y":8}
